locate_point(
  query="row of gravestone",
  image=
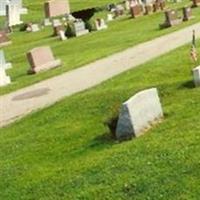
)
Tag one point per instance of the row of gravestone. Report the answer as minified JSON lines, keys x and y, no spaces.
{"x":138,"y":9}
{"x":172,"y":18}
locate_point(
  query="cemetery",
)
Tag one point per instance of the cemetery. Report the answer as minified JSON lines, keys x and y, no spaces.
{"x":99,"y":99}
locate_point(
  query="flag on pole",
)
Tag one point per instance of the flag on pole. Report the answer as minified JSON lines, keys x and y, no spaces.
{"x":193,"y":52}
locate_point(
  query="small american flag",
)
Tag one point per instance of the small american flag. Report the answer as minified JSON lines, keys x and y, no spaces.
{"x":193,"y":52}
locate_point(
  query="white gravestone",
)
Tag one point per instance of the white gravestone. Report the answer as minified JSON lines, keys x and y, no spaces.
{"x":3,"y":63}
{"x":4,"y":79}
{"x":33,"y":28}
{"x":109,"y":17}
{"x":47,"y":22}
{"x":13,"y":14}
{"x":79,"y":28}
{"x":100,"y":24}
{"x":138,"y":113}
{"x":56,"y":22}
{"x":62,"y":35}
{"x":196,"y":76}
{"x":3,"y":4}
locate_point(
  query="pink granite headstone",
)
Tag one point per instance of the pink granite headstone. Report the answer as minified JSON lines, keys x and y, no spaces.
{"x":41,"y":59}
{"x":55,"y":8}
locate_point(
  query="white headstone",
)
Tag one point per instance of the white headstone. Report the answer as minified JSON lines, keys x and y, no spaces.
{"x":109,"y":17}
{"x":79,"y":28}
{"x":3,"y":4}
{"x":138,"y":113}
{"x":47,"y":22}
{"x":100,"y":24}
{"x":3,"y":63}
{"x":4,"y":79}
{"x":62,"y":35}
{"x":196,"y":75}
{"x":35,"y":27}
{"x":13,"y":14}
{"x":56,"y":22}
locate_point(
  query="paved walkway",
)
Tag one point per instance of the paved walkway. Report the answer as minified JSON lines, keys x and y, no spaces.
{"x":18,"y":104}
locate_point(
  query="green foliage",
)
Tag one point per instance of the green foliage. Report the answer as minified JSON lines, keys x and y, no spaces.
{"x":70,"y":32}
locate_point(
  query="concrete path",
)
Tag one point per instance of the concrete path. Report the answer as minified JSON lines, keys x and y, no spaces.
{"x":45,"y":93}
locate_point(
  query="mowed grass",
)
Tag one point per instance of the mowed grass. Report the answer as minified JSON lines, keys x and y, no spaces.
{"x":76,"y":52}
{"x":66,"y":152}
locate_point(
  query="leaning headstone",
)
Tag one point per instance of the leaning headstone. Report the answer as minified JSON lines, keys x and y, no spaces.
{"x":41,"y":59}
{"x":79,"y":28}
{"x":3,"y":63}
{"x":4,"y":79}
{"x":13,"y":14}
{"x":4,"y":40}
{"x":100,"y":24}
{"x":56,"y":8}
{"x":138,"y":114}
{"x":196,"y":76}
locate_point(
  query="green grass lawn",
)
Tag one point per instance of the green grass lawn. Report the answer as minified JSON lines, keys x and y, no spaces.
{"x":66,"y":152}
{"x":121,"y":34}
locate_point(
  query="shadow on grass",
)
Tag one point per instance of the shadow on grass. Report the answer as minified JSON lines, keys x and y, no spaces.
{"x":188,"y":85}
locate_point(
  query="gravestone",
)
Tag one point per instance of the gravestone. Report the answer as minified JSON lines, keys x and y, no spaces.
{"x":56,"y":8}
{"x":47,"y":22}
{"x":187,"y":14}
{"x":62,"y":36}
{"x":118,"y":11}
{"x":32,"y":27}
{"x":4,"y":40}
{"x":56,"y":22}
{"x":109,"y":17}
{"x":100,"y":24}
{"x":138,"y":114}
{"x":79,"y":28}
{"x":158,"y":5}
{"x":3,"y":4}
{"x":4,"y":79}
{"x":136,"y":11}
{"x":41,"y":59}
{"x":13,"y":15}
{"x":57,"y":26}
{"x":148,"y":9}
{"x":196,"y":76}
{"x":3,"y":63}
{"x":171,"y":19}
{"x":196,"y":3}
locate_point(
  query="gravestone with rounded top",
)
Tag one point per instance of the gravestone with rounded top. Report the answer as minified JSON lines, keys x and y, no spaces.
{"x":41,"y":59}
{"x":138,"y":113}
